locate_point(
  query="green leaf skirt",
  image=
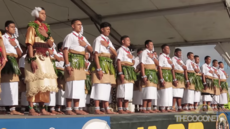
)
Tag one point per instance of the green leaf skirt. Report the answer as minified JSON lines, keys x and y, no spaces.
{"x":129,"y":73}
{"x":167,"y":75}
{"x":11,"y":66}
{"x":152,"y":75}
{"x":77,"y":61}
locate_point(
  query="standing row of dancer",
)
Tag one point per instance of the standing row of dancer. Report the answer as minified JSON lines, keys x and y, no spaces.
{"x":68,"y":79}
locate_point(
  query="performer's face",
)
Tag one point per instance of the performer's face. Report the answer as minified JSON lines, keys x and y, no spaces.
{"x":42,"y":15}
{"x":197,"y":60}
{"x":105,"y":31}
{"x":11,"y":28}
{"x":77,"y":26}
{"x":155,"y":53}
{"x":215,"y":64}
{"x":150,"y":46}
{"x":139,"y":52}
{"x":178,"y":54}
{"x":208,"y":61}
{"x":166,"y":50}
{"x":126,"y":42}
{"x":221,"y":65}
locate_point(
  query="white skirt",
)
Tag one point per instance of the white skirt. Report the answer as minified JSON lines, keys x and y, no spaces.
{"x":165,"y":97}
{"x":101,"y":92}
{"x":223,"y":98}
{"x":60,"y":97}
{"x":82,"y":101}
{"x":75,"y":89}
{"x":188,"y":97}
{"x":52,"y":99}
{"x":125,"y":91}
{"x":207,"y":98}
{"x":137,"y":97}
{"x":215,"y":99}
{"x":24,"y":101}
{"x":9,"y":94}
{"x":149,"y":92}
{"x":197,"y":95}
{"x":178,"y":92}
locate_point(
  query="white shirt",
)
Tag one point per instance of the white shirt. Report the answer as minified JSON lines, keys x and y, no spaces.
{"x":206,"y":68}
{"x":163,"y":60}
{"x":59,"y":64}
{"x":137,"y":62}
{"x":122,"y":53}
{"x":221,"y":73}
{"x":144,"y":57}
{"x":97,"y":47}
{"x":215,"y":69}
{"x":54,"y":52}
{"x":189,"y":65}
{"x":176,"y":65}
{"x":71,"y":41}
{"x":8,"y":46}
{"x":22,"y":61}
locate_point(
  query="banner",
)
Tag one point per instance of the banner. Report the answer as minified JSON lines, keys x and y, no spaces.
{"x":56,"y":123}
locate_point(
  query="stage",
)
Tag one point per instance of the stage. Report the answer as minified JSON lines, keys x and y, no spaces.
{"x":124,"y":121}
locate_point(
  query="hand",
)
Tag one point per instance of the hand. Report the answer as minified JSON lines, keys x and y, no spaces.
{"x":122,"y":77}
{"x":69,"y":70}
{"x":175,"y":83}
{"x":50,"y":51}
{"x":130,"y":56}
{"x":205,"y":87}
{"x":145,"y":80}
{"x":163,"y":84}
{"x":210,"y":71}
{"x":170,"y":62}
{"x":34,"y":66}
{"x":82,"y":43}
{"x":99,"y":74}
{"x":221,"y":89}
{"x":12,"y":42}
{"x":193,"y":65}
{"x":187,"y":84}
{"x":3,"y":63}
{"x":216,"y":73}
{"x":184,"y":67}
{"x":104,"y":43}
{"x":150,"y":55}
{"x":43,"y":32}
{"x":179,"y":63}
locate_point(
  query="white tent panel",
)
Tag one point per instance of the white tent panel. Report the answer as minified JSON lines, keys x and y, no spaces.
{"x":202,"y":26}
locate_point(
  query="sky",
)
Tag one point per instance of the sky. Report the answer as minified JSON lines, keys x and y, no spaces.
{"x":203,"y":51}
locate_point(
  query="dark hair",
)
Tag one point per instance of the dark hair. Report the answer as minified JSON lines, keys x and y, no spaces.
{"x":147,"y":42}
{"x":189,"y":53}
{"x":196,"y":56}
{"x":105,"y":24}
{"x":124,"y":37}
{"x":206,"y":57}
{"x":163,"y":46}
{"x":59,"y":45}
{"x":139,"y":49}
{"x":74,"y":20}
{"x":214,"y":60}
{"x":220,"y":62}
{"x":7,"y":23}
{"x":42,"y":8}
{"x":177,"y":50}
{"x":154,"y":51}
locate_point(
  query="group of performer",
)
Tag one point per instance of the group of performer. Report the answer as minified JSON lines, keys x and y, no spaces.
{"x":66,"y":81}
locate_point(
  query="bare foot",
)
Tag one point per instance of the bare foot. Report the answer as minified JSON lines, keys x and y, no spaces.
{"x":163,"y":111}
{"x":156,"y":110}
{"x":56,"y":113}
{"x":144,"y":111}
{"x":45,"y":113}
{"x":140,"y":110}
{"x":129,"y":112}
{"x":32,"y":112}
{"x":61,"y":112}
{"x":168,"y":110}
{"x":151,"y":111}
{"x":98,"y":112}
{"x":85,"y":113}
{"x":15,"y":113}
{"x":180,"y":110}
{"x":122,"y":112}
{"x":78,"y":112}
{"x":70,"y":112}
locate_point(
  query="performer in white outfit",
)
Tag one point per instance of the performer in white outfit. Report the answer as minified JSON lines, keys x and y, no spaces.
{"x":149,"y":77}
{"x":167,"y":80}
{"x":60,"y":99}
{"x":181,"y":74}
{"x":200,"y":87}
{"x":127,"y":76}
{"x":207,"y":72}
{"x":22,"y":85}
{"x":103,"y":75}
{"x":10,"y":73}
{"x":74,"y":47}
{"x":216,"y":82}
{"x":188,"y":98}
{"x":223,"y":84}
{"x":137,"y":98}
